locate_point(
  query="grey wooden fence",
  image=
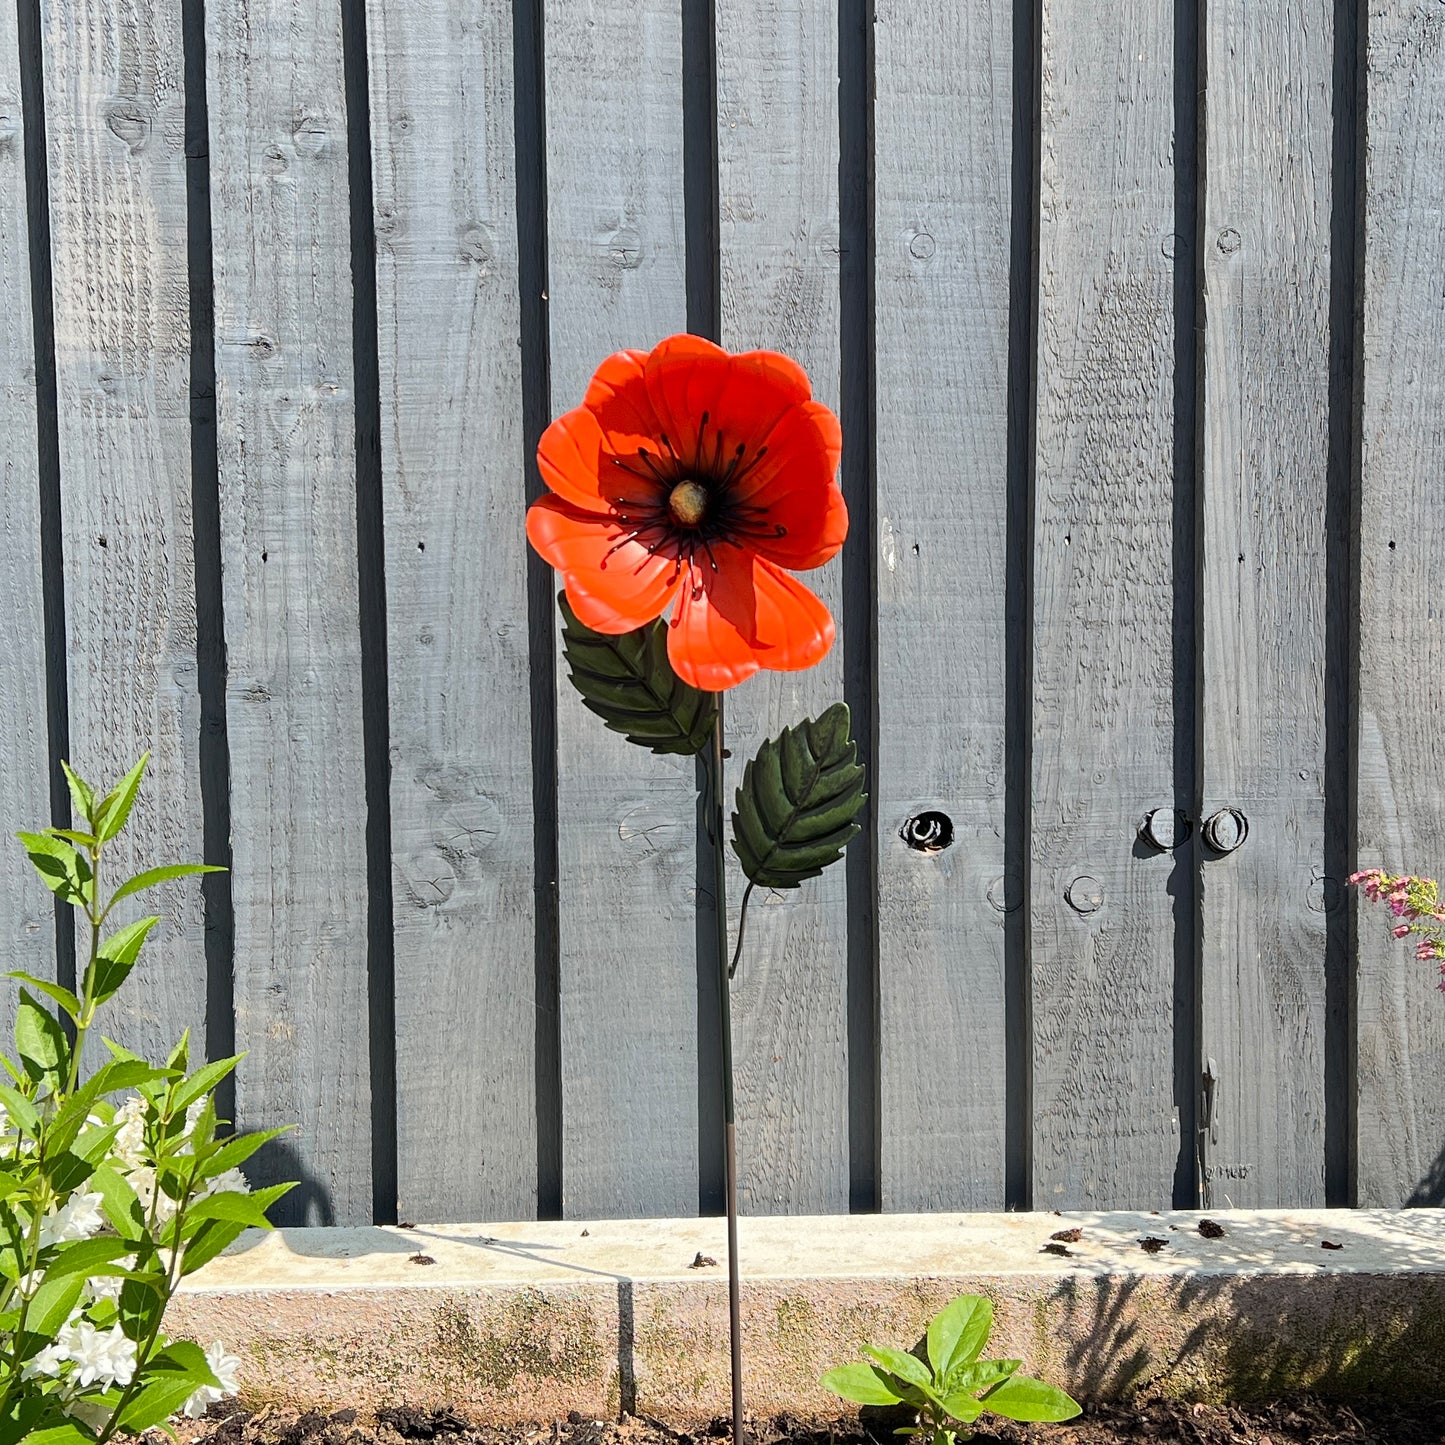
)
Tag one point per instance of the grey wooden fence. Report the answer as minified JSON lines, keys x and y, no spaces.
{"x":1134,"y":318}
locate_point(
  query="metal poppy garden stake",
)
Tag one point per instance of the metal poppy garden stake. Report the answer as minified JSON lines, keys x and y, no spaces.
{"x":696,"y":481}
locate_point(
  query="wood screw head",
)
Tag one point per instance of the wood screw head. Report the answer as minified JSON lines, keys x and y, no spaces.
{"x":1164,"y":828}
{"x":1225,"y":830}
{"x":1085,"y":894}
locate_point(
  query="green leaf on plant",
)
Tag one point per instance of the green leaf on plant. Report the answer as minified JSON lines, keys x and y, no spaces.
{"x":627,"y":680}
{"x":798,"y":802}
{"x":152,"y":876}
{"x":962,"y":1406}
{"x":62,"y":996}
{"x":863,"y":1384}
{"x":51,"y":1304}
{"x":166,"y":1383}
{"x":68,"y":1432}
{"x":903,"y":1365}
{"x":87,"y":1256}
{"x":142,"y":1302}
{"x":117,"y":957}
{"x":67,"y":1171}
{"x":156,"y":1400}
{"x":119,"y":1202}
{"x":980,"y":1375}
{"x":64,"y":871}
{"x":958,"y":1333}
{"x":247,"y":1209}
{"x":181,"y":1054}
{"x":38,"y":1038}
{"x":203,"y":1081}
{"x":1022,"y":1398}
{"x":234,"y":1152}
{"x":81,"y":793}
{"x":20,"y":1109}
{"x":210,"y":1239}
{"x":71,"y":835}
{"x":113,"y":810}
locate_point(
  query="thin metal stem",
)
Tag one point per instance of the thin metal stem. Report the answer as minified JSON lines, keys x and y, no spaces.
{"x":742,"y":929}
{"x":719,"y":875}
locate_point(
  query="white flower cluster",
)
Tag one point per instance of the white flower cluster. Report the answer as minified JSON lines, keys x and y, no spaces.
{"x":102,"y":1357}
{"x":223,"y":1367}
{"x":87,"y":1359}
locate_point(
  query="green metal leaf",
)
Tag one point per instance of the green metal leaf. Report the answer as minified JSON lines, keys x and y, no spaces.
{"x":628,"y":682}
{"x":800,"y":796}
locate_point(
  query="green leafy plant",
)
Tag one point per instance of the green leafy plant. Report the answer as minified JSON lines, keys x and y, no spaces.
{"x":106,"y":1207}
{"x":954,"y":1386}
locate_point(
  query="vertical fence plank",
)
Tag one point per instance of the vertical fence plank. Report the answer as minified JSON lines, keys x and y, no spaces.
{"x":778,"y":191}
{"x":1266,"y":445}
{"x":942,"y":122}
{"x":286,"y":445}
{"x":627,"y":832}
{"x":27,"y":930}
{"x":461,"y":788}
{"x":1105,"y":1131}
{"x":115,"y":118}
{"x":1401,"y":1122}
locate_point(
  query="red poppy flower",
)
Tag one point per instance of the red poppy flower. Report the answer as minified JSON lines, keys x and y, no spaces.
{"x":695,"y":478}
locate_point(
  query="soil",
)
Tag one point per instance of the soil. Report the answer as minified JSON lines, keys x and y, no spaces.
{"x":1301,"y":1421}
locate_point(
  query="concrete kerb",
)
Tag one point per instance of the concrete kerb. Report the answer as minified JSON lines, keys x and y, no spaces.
{"x":511,"y":1323}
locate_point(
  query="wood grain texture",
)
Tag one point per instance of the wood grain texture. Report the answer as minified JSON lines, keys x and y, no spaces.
{"x":942,"y":121}
{"x":115,"y":132}
{"x":1401,"y":1125}
{"x":1266,"y":441}
{"x":27,"y":923}
{"x":452,"y":467}
{"x":778,"y":192}
{"x":286,"y":445}
{"x":627,"y":829}
{"x":1105,"y":1129}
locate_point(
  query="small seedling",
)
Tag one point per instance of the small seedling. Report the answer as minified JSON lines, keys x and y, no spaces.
{"x":954,"y":1387}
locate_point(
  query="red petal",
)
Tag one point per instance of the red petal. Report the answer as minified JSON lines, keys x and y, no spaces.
{"x":743,"y":395}
{"x":578,"y":453}
{"x":796,"y":485}
{"x":608,"y":593}
{"x":748,"y":615}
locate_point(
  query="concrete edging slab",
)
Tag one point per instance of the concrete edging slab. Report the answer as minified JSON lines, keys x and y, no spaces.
{"x":523,"y":1322}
